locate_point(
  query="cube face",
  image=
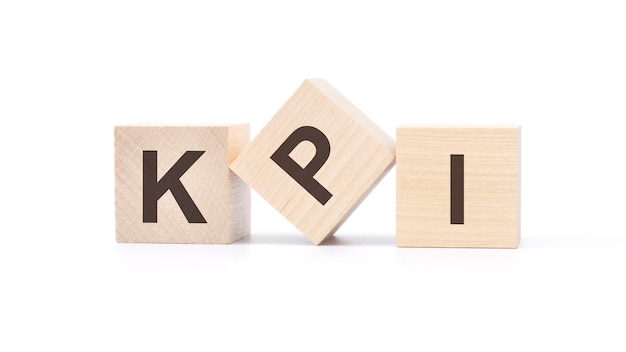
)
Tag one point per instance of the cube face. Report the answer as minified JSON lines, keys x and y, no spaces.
{"x":200,"y":201}
{"x":359,"y":154}
{"x":458,"y":186}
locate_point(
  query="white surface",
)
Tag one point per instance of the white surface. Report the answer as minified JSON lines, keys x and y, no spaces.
{"x":71,"y":70}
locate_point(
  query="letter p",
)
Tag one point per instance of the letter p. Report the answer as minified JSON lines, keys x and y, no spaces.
{"x":304,"y":176}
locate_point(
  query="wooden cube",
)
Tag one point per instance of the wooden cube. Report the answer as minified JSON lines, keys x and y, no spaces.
{"x":173,"y":184}
{"x":316,"y":159}
{"x":458,"y":186}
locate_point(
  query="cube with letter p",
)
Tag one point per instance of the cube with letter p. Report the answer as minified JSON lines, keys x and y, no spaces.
{"x":317,"y":159}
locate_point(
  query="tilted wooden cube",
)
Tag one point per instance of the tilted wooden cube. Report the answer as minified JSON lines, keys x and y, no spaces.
{"x":317,"y":159}
{"x":458,"y":186}
{"x":173,"y":184}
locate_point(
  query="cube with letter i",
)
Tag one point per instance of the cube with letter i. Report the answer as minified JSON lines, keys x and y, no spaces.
{"x":458,"y":186}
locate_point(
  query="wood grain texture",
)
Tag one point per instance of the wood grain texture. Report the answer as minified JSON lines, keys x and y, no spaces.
{"x":491,"y":186}
{"x":221,"y":196}
{"x":360,"y":155}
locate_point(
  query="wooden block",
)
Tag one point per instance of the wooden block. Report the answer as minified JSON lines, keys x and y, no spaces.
{"x":173,"y":184}
{"x":458,"y":186}
{"x":317,"y":159}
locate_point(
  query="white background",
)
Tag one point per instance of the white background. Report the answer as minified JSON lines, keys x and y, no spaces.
{"x":71,"y":70}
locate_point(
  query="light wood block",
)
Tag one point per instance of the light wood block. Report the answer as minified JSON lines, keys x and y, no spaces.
{"x":473,"y":203}
{"x":173,"y":184}
{"x":359,"y":155}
